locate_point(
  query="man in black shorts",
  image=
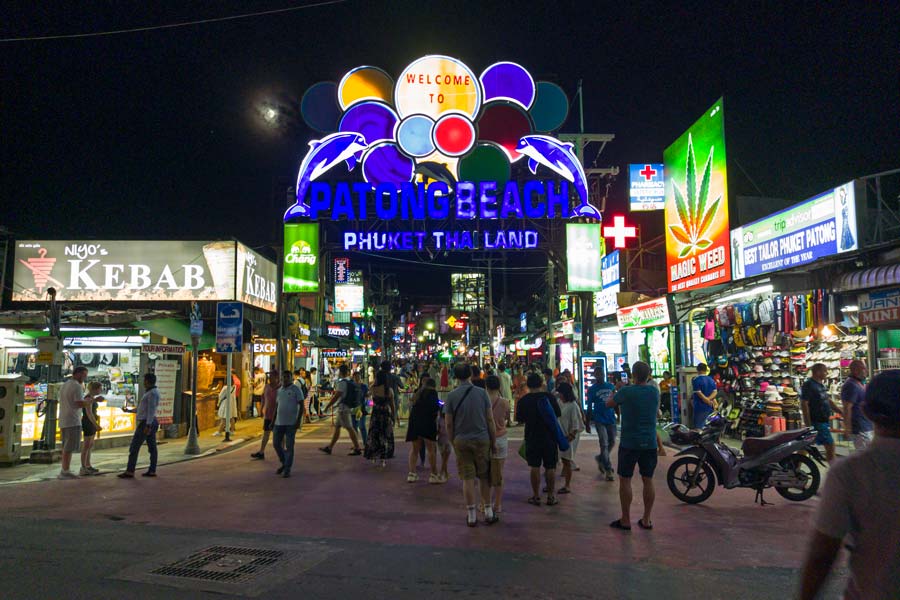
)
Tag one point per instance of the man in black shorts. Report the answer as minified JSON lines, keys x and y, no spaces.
{"x":540,"y":441}
{"x":638,"y":404}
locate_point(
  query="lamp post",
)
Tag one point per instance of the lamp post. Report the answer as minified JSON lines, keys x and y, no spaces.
{"x":193,"y":445}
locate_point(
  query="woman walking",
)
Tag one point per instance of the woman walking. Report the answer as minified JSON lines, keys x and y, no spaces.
{"x":422,"y":428}
{"x":362,"y":411}
{"x":500,"y":411}
{"x":380,"y":444}
{"x":572,"y":424}
{"x":90,"y":426}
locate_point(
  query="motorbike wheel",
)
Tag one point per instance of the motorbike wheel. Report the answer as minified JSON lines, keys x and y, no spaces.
{"x":679,"y":478}
{"x":807,"y":471}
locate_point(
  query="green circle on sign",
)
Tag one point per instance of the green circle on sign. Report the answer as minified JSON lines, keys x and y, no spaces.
{"x":550,"y":108}
{"x":486,"y":163}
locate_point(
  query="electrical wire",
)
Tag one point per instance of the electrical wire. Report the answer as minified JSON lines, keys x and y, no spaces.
{"x":169,"y":25}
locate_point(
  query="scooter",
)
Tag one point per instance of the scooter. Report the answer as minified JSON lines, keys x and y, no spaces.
{"x":781,"y":460}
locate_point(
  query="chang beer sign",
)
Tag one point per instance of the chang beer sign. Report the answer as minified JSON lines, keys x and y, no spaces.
{"x":301,"y":257}
{"x":653,"y":313}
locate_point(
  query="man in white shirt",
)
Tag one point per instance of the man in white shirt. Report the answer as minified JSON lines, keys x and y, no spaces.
{"x":71,"y":401}
{"x":145,"y":429}
{"x":506,"y":391}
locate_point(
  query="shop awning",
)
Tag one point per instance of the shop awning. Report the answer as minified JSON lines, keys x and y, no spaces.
{"x":869,"y":278}
{"x":91,"y":333}
{"x":178,"y":330}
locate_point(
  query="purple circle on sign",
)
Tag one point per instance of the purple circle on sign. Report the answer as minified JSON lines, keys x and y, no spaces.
{"x":374,"y":120}
{"x":384,"y":163}
{"x":508,"y":81}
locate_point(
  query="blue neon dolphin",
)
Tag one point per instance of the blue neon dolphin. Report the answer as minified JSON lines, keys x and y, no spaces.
{"x":323,"y":155}
{"x":560,"y":158}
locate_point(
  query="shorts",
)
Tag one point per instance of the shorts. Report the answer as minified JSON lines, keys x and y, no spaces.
{"x":645,"y":459}
{"x":345,"y":417}
{"x":861,"y":440}
{"x":71,"y":438}
{"x":541,"y":455}
{"x":502,"y":444}
{"x":268,"y":424}
{"x":87,"y":428}
{"x":473,"y":459}
{"x":823,"y":436}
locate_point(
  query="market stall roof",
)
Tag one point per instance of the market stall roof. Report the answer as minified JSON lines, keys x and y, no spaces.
{"x":869,"y":278}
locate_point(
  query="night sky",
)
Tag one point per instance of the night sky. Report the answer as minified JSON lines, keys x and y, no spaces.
{"x":156,"y":134}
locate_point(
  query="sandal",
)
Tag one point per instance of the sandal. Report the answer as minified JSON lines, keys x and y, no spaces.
{"x":534,"y":501}
{"x":552,"y":501}
{"x":642,"y":526}
{"x":617,"y":524}
{"x":563,"y":490}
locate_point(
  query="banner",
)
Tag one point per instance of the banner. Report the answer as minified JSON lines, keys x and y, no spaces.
{"x":606,"y":301}
{"x":584,"y":250}
{"x":647,"y":186}
{"x":653,"y":313}
{"x":821,"y":226}
{"x":301,"y":257}
{"x":166,"y":372}
{"x":696,"y":214}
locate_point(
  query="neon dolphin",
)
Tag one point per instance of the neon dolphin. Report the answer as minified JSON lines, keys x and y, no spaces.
{"x":322,"y":156}
{"x":560,"y":158}
{"x":436,"y":172}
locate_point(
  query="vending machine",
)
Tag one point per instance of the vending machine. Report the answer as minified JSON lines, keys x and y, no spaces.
{"x":12,"y":399}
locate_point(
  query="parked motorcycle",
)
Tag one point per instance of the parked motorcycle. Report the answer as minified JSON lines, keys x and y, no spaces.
{"x":781,"y":460}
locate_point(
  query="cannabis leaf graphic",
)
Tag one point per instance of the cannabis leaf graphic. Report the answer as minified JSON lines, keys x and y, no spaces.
{"x":695,"y":215}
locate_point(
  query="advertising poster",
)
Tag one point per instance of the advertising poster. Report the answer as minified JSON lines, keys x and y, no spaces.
{"x":696,"y":213}
{"x":652,"y":313}
{"x":349,"y":299}
{"x":584,"y":250}
{"x":647,"y":186}
{"x":229,"y":326}
{"x":821,"y":226}
{"x":586,"y":364}
{"x":257,"y":279}
{"x":301,"y":257}
{"x":166,"y":372}
{"x":606,"y":301}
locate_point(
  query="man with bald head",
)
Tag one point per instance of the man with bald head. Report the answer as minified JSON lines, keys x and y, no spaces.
{"x":856,"y":426}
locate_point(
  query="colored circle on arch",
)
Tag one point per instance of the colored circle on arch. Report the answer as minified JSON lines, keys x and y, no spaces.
{"x":374,"y":120}
{"x":414,"y":135}
{"x":508,"y":81}
{"x":550,"y":108}
{"x":454,"y":134}
{"x":486,"y":163}
{"x":364,"y":83}
{"x":318,"y":107}
{"x":504,"y":124}
{"x":384,"y":163}
{"x":435,"y":85}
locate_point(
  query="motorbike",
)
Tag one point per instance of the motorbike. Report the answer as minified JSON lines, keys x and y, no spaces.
{"x":781,"y":460}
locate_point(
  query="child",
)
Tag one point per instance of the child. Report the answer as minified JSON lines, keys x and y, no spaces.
{"x":90,"y":426}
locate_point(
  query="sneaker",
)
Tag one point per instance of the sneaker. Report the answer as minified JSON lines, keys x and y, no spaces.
{"x":411,"y":477}
{"x":258,"y":456}
{"x":84,"y":471}
{"x":149,"y":474}
{"x":67,"y":475}
{"x":355,"y":452}
{"x":126,"y":475}
{"x":325,"y":449}
{"x":599,"y":463}
{"x":94,"y":471}
{"x":610,"y":476}
{"x":444,"y":478}
{"x":434,"y":478}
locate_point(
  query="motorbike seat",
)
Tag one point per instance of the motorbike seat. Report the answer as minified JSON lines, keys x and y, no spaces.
{"x":755,"y":446}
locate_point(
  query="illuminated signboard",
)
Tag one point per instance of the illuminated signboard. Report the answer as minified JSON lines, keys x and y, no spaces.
{"x":879,"y":307}
{"x":438,"y":143}
{"x":341,"y":271}
{"x":605,"y":301}
{"x":647,"y":189}
{"x":653,"y":313}
{"x":339,"y":331}
{"x":620,"y":233}
{"x":821,"y":226}
{"x":301,"y":257}
{"x":523,"y":322}
{"x":696,"y":214}
{"x":349,"y":299}
{"x":142,"y":271}
{"x":587,"y":363}
{"x":584,"y":250}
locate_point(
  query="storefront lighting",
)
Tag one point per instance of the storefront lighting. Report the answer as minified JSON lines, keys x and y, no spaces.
{"x":849,"y":309}
{"x":757,"y":291}
{"x":14,"y":350}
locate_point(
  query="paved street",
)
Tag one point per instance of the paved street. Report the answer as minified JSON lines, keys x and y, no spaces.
{"x":355,"y":529}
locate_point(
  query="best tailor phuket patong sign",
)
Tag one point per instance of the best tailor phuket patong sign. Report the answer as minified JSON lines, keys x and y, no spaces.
{"x":438,"y":144}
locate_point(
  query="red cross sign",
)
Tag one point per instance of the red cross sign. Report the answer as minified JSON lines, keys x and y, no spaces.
{"x":619,"y":233}
{"x":648,"y":172}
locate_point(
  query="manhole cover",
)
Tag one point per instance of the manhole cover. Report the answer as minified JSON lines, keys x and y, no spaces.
{"x":223,"y":563}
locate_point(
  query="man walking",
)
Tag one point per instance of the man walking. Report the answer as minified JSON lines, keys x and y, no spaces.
{"x":818,"y":406}
{"x":289,"y":400}
{"x":145,"y":429}
{"x":269,"y":402}
{"x":705,"y":391}
{"x":347,"y":393}
{"x":506,"y":390}
{"x":603,"y":418}
{"x":856,"y":426}
{"x":541,"y":445}
{"x":638,"y":404}
{"x":470,"y":428}
{"x":71,"y":401}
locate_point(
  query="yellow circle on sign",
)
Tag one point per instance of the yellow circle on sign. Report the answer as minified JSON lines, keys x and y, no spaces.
{"x":433,"y":85}
{"x":364,"y":83}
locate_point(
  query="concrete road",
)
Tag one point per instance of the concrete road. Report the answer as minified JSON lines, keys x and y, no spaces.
{"x":341,"y":526}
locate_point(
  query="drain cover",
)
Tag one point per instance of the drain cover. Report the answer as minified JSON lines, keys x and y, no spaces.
{"x":223,"y":563}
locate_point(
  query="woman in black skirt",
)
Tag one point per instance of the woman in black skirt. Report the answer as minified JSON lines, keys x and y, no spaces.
{"x":380,"y":443}
{"x":423,"y":428}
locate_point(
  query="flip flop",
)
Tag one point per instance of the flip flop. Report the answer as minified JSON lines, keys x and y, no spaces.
{"x":563,"y":490}
{"x":642,"y":526}
{"x":617,"y":524}
{"x":534,"y":501}
{"x":552,"y":501}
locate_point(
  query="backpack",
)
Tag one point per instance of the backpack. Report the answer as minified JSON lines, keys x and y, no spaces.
{"x":766,"y":312}
{"x":351,"y":398}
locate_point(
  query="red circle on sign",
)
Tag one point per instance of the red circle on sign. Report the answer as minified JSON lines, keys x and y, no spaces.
{"x":454,"y":135}
{"x":504,"y":124}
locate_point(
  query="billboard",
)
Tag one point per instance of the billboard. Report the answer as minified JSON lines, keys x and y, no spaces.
{"x":257,"y":279}
{"x":821,"y":226}
{"x":584,"y":250}
{"x":301,"y":257}
{"x":696,"y":212}
{"x":606,"y":301}
{"x":652,"y":313}
{"x":647,"y":186}
{"x":349,"y":299}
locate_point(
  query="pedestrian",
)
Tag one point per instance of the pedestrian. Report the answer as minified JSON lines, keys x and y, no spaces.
{"x":393,"y":381}
{"x":603,"y":419}
{"x":470,"y":427}
{"x":269,"y":403}
{"x":572,"y":423}
{"x":477,"y":378}
{"x":346,"y":394}
{"x":818,"y":406}
{"x":859,"y":506}
{"x":227,"y":412}
{"x":145,"y":429}
{"x":359,"y":415}
{"x":289,"y":401}
{"x":665,"y":392}
{"x":422,"y":428}
{"x":534,"y":409}
{"x":500,"y":410}
{"x":445,"y":449}
{"x":71,"y":401}
{"x":638,"y":405}
{"x":380,"y":445}
{"x":259,"y":386}
{"x":548,"y":379}
{"x":856,"y":426}
{"x":704,"y":398}
{"x":90,"y":426}
{"x":506,"y":389}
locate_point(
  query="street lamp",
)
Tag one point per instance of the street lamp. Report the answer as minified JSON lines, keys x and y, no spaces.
{"x":429,"y":325}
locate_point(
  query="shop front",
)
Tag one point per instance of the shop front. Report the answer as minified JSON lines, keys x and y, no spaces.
{"x":879,"y":312}
{"x":649,"y":334}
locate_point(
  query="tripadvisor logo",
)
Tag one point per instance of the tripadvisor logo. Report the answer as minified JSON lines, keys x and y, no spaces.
{"x":301,"y":253}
